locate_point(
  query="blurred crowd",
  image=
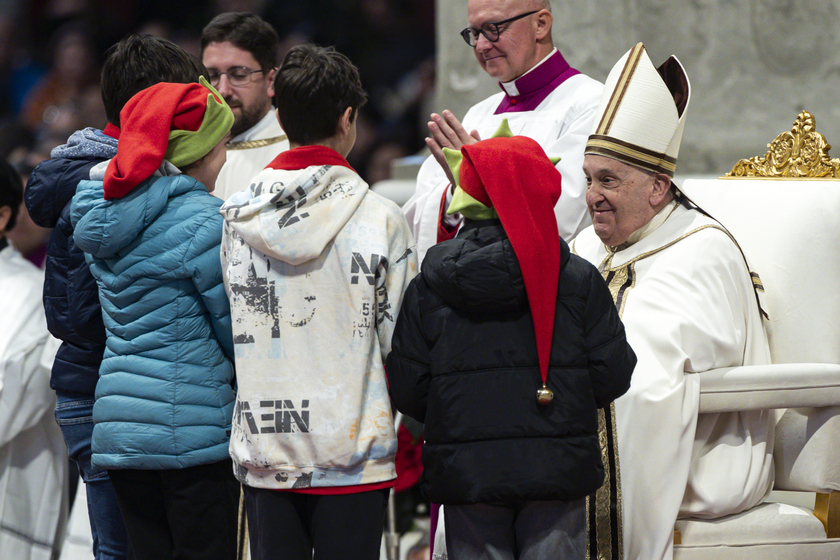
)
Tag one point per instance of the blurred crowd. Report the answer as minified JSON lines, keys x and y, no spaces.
{"x":51,"y":52}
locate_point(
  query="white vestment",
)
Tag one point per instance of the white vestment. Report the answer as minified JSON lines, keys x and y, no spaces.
{"x":243,"y":162}
{"x":33,"y":458}
{"x":687,"y":307}
{"x":561,"y":124}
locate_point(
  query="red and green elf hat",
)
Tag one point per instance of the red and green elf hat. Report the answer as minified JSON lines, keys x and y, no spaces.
{"x":514,"y":177}
{"x":177,"y":122}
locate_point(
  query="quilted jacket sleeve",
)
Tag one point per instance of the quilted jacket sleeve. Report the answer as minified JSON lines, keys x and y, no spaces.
{"x":206,"y":270}
{"x":408,"y":363}
{"x":611,"y":359}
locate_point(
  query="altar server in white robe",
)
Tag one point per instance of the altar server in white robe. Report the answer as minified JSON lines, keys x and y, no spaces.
{"x":240,"y":51}
{"x":688,"y":304}
{"x":33,"y":459}
{"x":542,"y":97}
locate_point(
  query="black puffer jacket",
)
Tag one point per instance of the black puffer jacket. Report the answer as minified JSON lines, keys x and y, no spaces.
{"x":464,"y":362}
{"x":71,"y":297}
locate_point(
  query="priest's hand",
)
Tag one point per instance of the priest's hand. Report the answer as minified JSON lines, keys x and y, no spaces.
{"x":447,"y":132}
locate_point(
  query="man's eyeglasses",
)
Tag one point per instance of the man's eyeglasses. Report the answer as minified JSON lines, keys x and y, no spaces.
{"x":237,"y":76}
{"x":490,"y":30}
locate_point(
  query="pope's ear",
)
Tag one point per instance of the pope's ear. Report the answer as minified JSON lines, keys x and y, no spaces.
{"x":661,"y":188}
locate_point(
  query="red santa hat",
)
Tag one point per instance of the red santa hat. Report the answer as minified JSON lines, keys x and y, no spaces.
{"x":516,"y":178}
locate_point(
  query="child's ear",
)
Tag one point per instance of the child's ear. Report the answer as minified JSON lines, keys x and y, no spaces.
{"x":5,"y":216}
{"x":345,"y":122}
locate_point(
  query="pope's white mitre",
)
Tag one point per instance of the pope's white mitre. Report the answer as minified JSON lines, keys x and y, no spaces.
{"x":641,"y":117}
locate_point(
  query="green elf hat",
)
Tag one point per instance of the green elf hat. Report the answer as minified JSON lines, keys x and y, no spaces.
{"x":177,"y":122}
{"x":462,"y":201}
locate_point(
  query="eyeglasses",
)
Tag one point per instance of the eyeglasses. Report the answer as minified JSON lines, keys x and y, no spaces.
{"x":490,"y":30}
{"x":237,"y":76}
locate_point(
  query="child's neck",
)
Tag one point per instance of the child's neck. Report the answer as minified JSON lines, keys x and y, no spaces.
{"x":333,"y":142}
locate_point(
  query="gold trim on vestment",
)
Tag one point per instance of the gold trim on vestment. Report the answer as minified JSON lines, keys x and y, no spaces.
{"x":618,"y":499}
{"x":604,"y":525}
{"x":756,"y":280}
{"x":248,"y":144}
{"x":662,"y":248}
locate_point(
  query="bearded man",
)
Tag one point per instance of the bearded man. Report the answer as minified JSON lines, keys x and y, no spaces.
{"x":240,"y":52}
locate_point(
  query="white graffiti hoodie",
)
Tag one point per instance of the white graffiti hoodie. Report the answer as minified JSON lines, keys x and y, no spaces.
{"x":315,"y":267}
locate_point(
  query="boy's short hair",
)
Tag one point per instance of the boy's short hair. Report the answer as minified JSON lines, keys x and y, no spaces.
{"x":248,"y":32}
{"x":141,"y":61}
{"x":313,"y":88}
{"x":11,"y":191}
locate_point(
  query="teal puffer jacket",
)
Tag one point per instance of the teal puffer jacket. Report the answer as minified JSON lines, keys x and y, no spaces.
{"x":165,"y":394}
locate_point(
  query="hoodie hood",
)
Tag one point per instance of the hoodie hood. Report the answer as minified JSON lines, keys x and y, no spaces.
{"x":53,"y":183}
{"x":90,"y":143}
{"x":295,"y":207}
{"x":105,"y":227}
{"x":477,"y":271}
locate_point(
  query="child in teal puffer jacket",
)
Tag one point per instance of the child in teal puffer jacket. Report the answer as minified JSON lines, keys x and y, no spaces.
{"x":152,"y":231}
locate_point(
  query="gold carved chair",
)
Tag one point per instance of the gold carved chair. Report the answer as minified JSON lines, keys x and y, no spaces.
{"x":784,"y":210}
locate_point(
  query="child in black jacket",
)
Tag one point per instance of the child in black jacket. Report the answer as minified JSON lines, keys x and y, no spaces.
{"x":506,"y":347}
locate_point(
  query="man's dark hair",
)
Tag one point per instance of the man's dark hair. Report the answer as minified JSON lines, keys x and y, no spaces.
{"x":313,"y":88}
{"x":11,"y":191}
{"x":246,"y":31}
{"x":141,"y":61}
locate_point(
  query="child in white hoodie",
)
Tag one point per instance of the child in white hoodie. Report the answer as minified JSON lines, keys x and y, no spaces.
{"x":315,"y":266}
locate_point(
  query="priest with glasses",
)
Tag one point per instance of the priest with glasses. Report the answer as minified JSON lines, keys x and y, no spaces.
{"x":542,"y":97}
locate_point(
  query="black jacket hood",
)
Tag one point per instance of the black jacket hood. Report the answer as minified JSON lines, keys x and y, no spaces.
{"x":478,"y":271}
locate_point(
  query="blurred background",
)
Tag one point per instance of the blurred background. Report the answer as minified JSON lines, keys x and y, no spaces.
{"x":51,"y":52}
{"x":753,"y":65}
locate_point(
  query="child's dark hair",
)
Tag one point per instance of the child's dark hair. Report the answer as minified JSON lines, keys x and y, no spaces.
{"x":246,"y":31}
{"x":141,"y":61}
{"x":11,"y":191}
{"x":313,"y":88}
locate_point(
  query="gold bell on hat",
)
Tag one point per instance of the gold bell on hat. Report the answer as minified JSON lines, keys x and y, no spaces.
{"x":544,"y":395}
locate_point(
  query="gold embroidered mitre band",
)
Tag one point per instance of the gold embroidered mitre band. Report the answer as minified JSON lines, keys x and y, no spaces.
{"x":641,"y":117}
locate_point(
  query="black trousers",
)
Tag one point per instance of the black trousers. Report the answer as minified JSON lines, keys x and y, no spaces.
{"x":188,"y":514}
{"x":288,"y":525}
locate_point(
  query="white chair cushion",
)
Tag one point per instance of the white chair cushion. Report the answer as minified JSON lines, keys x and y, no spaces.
{"x":763,"y":524}
{"x":806,"y":550}
{"x":767,"y":532}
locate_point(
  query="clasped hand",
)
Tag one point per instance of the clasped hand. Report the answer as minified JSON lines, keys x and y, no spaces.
{"x":448,"y":132}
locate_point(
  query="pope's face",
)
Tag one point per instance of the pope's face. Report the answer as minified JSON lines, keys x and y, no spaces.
{"x":620,"y":198}
{"x":250,"y":102}
{"x":515,"y":52}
